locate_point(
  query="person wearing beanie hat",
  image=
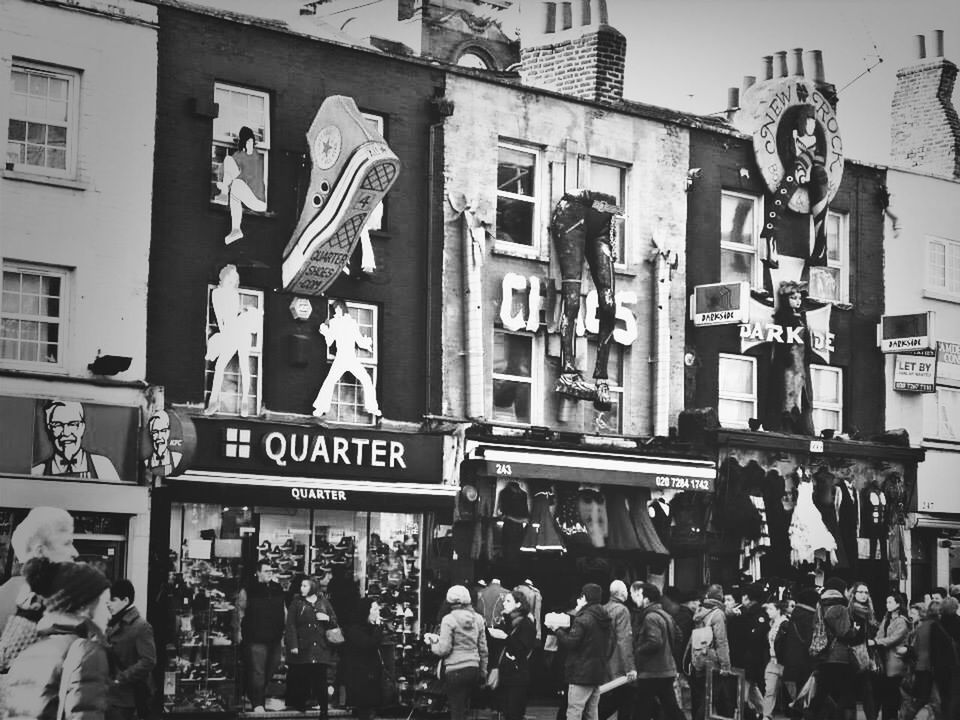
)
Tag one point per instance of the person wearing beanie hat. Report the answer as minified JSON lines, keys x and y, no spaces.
{"x":462,"y":643}
{"x":587,"y":642}
{"x":67,"y":671}
{"x":836,"y":584}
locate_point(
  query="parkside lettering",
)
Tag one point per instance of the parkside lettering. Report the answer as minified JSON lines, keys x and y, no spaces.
{"x":284,"y":448}
{"x":789,"y":335}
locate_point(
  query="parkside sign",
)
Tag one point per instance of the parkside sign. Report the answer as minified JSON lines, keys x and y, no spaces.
{"x":771,"y":332}
{"x":251,"y":447}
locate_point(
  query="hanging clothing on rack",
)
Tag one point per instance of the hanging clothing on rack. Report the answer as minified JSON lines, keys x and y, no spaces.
{"x":647,"y":535}
{"x":593,"y":514}
{"x":808,"y":533}
{"x":896,"y":492}
{"x":825,"y":499}
{"x":873,"y":519}
{"x":542,"y":534}
{"x":622,"y":535}
{"x":513,"y":500}
{"x":847,"y":501}
{"x":572,"y":528}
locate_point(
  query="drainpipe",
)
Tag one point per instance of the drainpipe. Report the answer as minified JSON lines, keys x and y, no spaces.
{"x":474,"y":246}
{"x":666,"y":261}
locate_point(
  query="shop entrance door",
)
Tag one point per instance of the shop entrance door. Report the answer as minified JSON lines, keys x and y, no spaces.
{"x":105,"y":552}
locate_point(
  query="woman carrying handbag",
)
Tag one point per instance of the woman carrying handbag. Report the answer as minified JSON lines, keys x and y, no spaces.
{"x":310,"y":635}
{"x":892,"y":634}
{"x":510,"y":678}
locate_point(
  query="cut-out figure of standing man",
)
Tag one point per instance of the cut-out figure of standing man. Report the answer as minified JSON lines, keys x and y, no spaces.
{"x":235,"y":323}
{"x":343,"y":330}
{"x":243,"y":182}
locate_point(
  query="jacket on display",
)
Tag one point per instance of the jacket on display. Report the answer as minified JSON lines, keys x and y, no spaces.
{"x":649,"y":537}
{"x":621,"y":534}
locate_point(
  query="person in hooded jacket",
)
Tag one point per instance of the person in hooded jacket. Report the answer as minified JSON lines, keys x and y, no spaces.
{"x":588,"y":642}
{"x":309,"y":654}
{"x":66,"y":672}
{"x":462,"y":643}
{"x":656,"y":668}
{"x":519,"y":637}
{"x":717,"y":657}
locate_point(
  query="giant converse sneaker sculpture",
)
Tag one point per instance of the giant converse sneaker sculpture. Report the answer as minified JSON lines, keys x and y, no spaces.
{"x":353,"y":167}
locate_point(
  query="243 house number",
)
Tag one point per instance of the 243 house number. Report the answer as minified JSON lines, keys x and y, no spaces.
{"x":504,"y":469}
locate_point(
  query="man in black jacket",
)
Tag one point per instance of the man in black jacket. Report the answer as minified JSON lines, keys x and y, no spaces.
{"x":751,"y":647}
{"x":261,"y":614}
{"x":588,"y":643}
{"x":134,"y":652}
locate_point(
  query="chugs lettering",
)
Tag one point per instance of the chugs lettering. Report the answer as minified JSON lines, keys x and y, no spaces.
{"x":335,"y":450}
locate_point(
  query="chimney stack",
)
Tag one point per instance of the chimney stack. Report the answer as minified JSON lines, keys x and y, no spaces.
{"x":796,"y":62}
{"x":766,"y":67}
{"x":573,"y":50}
{"x":780,"y":64}
{"x":924,"y":126}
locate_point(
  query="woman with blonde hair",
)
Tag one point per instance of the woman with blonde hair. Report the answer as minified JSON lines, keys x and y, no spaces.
{"x":462,"y":643}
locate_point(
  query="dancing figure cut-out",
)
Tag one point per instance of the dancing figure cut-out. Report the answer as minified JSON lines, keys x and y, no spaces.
{"x":343,"y":331}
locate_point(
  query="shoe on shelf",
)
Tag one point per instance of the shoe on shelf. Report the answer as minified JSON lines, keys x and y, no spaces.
{"x":259,"y":709}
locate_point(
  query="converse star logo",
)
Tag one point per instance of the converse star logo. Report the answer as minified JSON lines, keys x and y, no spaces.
{"x":326,"y":147}
{"x":237,"y":443}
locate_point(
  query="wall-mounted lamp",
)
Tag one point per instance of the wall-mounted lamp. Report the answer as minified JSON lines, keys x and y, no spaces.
{"x":109,"y":364}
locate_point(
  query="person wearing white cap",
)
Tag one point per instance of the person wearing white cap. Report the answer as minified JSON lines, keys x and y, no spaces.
{"x":462,"y":643}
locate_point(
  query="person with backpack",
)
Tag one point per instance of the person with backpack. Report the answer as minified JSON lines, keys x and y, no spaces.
{"x":655,"y":636}
{"x":708,"y":650}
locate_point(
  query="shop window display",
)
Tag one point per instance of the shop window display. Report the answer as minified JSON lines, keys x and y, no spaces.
{"x":215,"y":551}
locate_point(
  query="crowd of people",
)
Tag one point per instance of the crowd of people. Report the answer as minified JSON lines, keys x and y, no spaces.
{"x":812,"y":653}
{"x":74,"y":645}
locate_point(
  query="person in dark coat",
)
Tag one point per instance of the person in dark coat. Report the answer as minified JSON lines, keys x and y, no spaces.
{"x":66,"y":672}
{"x":309,"y":654}
{"x":519,"y":637}
{"x":361,"y":662}
{"x":797,"y":664}
{"x":588,"y":642}
{"x":656,"y":667}
{"x":260,"y":617}
{"x":134,"y":653}
{"x":836,"y":673}
{"x":750,"y":648}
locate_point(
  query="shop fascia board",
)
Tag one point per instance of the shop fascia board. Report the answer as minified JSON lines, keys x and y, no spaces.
{"x":800,"y":444}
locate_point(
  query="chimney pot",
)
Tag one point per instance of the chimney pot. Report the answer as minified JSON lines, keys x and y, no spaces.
{"x":733,"y":98}
{"x":937,"y":43}
{"x":748,"y":82}
{"x":781,"y":63}
{"x":766,"y":67}
{"x":815,"y":63}
{"x":796,"y":66}
{"x":920,"y":44}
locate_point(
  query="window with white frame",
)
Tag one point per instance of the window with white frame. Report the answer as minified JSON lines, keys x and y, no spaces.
{"x":829,"y":283}
{"x":611,"y":179}
{"x":33,"y":314}
{"x":737,"y":397}
{"x":239,"y":107}
{"x":375,"y":221}
{"x":583,"y":417}
{"x":518,"y":187}
{"x":739,"y":238}
{"x":827,"y":384}
{"x":42,"y":129}
{"x":513,"y":377}
{"x":348,"y":402}
{"x":250,"y":344}
{"x":943,"y":268}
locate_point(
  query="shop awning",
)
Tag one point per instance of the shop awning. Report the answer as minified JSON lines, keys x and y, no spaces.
{"x":935,"y":521}
{"x":371,"y":495}
{"x":588,"y":467}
